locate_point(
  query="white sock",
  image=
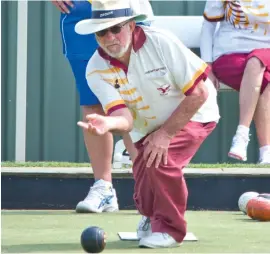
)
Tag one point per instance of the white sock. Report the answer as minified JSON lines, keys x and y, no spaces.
{"x":243,"y":130}
{"x":109,"y":184}
{"x":263,"y":150}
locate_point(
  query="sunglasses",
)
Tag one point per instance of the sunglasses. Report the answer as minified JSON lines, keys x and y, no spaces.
{"x":113,"y":30}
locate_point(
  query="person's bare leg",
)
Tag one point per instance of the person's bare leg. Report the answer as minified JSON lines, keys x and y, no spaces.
{"x":250,"y":90}
{"x":102,"y":196}
{"x":99,"y":148}
{"x":248,"y":99}
{"x":132,"y":150}
{"x":262,"y":123}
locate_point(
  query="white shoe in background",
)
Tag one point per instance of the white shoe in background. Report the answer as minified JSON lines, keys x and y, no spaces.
{"x":101,"y":198}
{"x":239,"y":146}
{"x":265,"y":158}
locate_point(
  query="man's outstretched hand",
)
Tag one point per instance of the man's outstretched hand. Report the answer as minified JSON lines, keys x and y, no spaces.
{"x":96,"y":124}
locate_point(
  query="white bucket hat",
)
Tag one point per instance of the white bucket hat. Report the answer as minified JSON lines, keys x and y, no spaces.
{"x":107,"y":13}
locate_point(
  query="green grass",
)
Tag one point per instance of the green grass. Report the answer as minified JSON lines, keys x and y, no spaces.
{"x":76,"y":165}
{"x":59,"y":231}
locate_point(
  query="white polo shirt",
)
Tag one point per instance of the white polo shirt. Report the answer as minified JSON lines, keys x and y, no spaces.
{"x":244,"y":25}
{"x":161,"y":72}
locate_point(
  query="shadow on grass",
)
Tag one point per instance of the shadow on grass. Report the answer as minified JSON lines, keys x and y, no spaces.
{"x":64,"y":212}
{"x":62,"y":247}
{"x":41,"y":247}
{"x":37,"y":212}
{"x":250,"y":220}
{"x":238,"y":214}
{"x":122,"y":213}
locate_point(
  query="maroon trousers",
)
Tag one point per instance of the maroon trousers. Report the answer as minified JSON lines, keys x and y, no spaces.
{"x":161,"y":193}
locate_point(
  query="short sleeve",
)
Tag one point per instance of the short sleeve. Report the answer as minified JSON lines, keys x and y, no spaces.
{"x":186,"y":67}
{"x":214,"y":10}
{"x":106,"y":93}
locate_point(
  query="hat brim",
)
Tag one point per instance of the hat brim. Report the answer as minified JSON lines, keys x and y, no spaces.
{"x":90,"y":26}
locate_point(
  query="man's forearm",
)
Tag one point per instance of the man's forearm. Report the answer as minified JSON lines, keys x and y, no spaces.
{"x":183,"y":113}
{"x":119,"y":124}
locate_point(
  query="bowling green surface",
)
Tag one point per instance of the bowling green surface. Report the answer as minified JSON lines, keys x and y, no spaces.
{"x":44,"y":231}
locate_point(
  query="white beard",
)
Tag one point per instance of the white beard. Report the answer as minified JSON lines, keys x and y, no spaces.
{"x":121,"y":53}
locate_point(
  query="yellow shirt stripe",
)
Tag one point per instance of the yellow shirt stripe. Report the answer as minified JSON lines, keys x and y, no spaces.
{"x":266,"y":14}
{"x":196,"y":75}
{"x":254,"y":8}
{"x":128,"y":92}
{"x":151,"y":118}
{"x":113,"y":104}
{"x":134,"y":101}
{"x":144,"y":108}
{"x":106,"y":71}
{"x":145,"y":123}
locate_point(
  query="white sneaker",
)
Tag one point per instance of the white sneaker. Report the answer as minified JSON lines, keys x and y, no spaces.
{"x":265,"y":159}
{"x":101,"y":198}
{"x":144,"y":227}
{"x":158,"y":240}
{"x":239,"y":146}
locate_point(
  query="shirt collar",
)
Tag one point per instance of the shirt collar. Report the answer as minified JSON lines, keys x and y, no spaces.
{"x":138,"y":38}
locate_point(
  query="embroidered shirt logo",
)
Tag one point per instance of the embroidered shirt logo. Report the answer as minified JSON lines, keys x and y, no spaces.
{"x":155,"y":70}
{"x":164,"y":89}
